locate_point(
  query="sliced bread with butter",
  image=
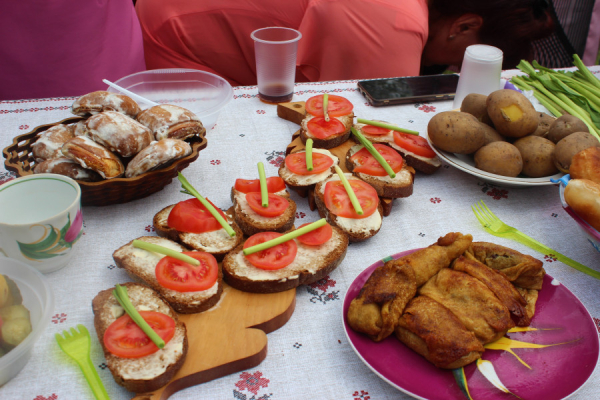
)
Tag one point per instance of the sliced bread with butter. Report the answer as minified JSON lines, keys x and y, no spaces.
{"x":141,"y":264}
{"x":250,"y":222}
{"x":301,"y":184}
{"x":151,"y":372}
{"x":330,"y":141}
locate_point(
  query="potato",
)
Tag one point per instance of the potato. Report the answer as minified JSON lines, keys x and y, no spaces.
{"x":475,"y":104}
{"x":456,"y":132}
{"x":14,"y":312}
{"x":544,"y":124}
{"x":512,"y":113}
{"x":564,"y":126}
{"x":536,"y":153}
{"x":567,"y":147}
{"x":491,"y":135}
{"x":501,"y":158}
{"x":15,"y":331}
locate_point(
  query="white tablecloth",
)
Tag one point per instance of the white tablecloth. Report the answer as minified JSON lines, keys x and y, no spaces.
{"x":309,"y":357}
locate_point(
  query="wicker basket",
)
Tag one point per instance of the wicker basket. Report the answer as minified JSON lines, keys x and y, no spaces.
{"x":19,"y":159}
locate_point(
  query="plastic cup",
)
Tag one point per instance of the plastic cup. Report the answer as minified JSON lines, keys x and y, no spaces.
{"x":275,"y":49}
{"x":480,"y":72}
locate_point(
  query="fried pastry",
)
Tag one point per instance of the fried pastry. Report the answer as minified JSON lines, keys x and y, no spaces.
{"x":67,"y":167}
{"x":476,"y":306}
{"x":48,"y":145}
{"x":530,"y":296}
{"x":118,"y":133}
{"x":498,"y":284}
{"x":434,"y":332}
{"x":169,"y":121}
{"x":156,"y":155}
{"x":522,"y":270}
{"x":94,"y":156}
{"x":97,"y":102}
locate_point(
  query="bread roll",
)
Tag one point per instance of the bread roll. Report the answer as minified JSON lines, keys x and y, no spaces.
{"x":583,"y":196}
{"x":94,"y":156}
{"x":95,"y":102}
{"x":156,"y":155}
{"x":118,"y":133}
{"x":66,"y":166}
{"x":169,"y":121}
{"x":586,"y":165}
{"x":48,"y":145}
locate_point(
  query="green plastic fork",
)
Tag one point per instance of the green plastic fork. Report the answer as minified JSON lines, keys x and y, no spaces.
{"x":496,"y":227}
{"x":77,"y":346}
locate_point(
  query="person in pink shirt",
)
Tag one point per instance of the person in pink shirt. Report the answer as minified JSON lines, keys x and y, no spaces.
{"x":341,"y":39}
{"x":59,"y":48}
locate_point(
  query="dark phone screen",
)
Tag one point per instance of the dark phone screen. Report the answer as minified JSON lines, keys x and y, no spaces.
{"x":398,"y":88}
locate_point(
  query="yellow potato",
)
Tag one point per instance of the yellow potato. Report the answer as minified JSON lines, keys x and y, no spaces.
{"x":512,"y":113}
{"x":537,"y":153}
{"x":456,"y":132}
{"x":500,"y":158}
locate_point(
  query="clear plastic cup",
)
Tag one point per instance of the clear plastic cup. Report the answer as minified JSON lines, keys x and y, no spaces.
{"x":480,"y":72}
{"x":275,"y":49}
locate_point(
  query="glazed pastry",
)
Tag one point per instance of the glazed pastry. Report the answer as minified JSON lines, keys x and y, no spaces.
{"x":67,"y":167}
{"x":94,"y":156}
{"x":169,"y":121}
{"x":118,"y":133}
{"x":96,"y":102}
{"x":156,"y":155}
{"x":79,"y":128}
{"x":48,"y":145}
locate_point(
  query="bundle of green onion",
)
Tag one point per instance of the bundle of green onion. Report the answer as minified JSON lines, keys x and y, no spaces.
{"x":573,"y":92}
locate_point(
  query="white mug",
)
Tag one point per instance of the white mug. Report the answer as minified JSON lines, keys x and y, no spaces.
{"x":40,"y":220}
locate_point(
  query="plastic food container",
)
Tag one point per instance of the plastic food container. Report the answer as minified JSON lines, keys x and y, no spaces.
{"x":203,"y":93}
{"x":39,"y":300}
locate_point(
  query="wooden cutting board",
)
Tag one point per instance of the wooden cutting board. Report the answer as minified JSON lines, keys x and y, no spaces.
{"x":230,"y":337}
{"x":295,"y":112}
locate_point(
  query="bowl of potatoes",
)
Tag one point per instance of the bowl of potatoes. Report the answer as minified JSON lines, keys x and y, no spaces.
{"x":501,"y":138}
{"x":26,"y":306}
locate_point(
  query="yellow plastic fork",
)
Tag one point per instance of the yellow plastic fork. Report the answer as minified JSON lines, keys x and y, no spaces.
{"x":496,"y":227}
{"x":77,"y":346}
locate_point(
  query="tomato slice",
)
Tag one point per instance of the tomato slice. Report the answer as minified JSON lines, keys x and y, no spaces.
{"x":274,"y":184}
{"x":336,"y":106}
{"x":273,"y":258}
{"x":191,"y":216}
{"x":375,"y":130}
{"x":367,"y":164}
{"x":180,"y":276}
{"x":338,"y":202}
{"x":124,"y":338}
{"x":414,"y":144}
{"x":317,"y":236}
{"x":277,"y":204}
{"x":322,"y":129}
{"x":296,"y":163}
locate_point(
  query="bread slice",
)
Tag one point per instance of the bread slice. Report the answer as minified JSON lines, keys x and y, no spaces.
{"x":399,"y":186}
{"x":302,"y":183}
{"x":251,"y":222}
{"x":145,"y":374}
{"x":356,"y":229}
{"x":218,"y":243}
{"x":140,"y":264}
{"x":311,"y":264}
{"x":331,"y":141}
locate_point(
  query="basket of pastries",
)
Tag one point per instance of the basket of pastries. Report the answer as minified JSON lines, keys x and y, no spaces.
{"x":116,"y":151}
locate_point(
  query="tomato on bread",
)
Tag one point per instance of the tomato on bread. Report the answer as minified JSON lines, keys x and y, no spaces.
{"x":327,"y":134}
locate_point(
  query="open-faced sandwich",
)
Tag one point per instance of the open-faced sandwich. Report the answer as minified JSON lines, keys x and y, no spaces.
{"x":187,"y":288}
{"x":142,"y":367}
{"x":335,"y":204}
{"x":328,"y":121}
{"x":302,"y":259}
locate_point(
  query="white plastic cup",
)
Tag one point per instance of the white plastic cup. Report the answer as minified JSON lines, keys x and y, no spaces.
{"x":40,"y":220}
{"x":480,"y":72}
{"x":275,"y":50}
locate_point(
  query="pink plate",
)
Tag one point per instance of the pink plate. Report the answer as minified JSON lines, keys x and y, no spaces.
{"x":556,"y":372}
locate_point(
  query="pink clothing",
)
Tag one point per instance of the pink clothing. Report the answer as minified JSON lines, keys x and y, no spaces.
{"x":341,"y":39}
{"x":57,"y":48}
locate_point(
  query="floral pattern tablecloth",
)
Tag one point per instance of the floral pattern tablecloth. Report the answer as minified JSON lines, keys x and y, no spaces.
{"x":310,"y":356}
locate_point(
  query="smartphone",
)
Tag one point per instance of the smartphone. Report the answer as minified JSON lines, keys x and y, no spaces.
{"x":409,"y":89}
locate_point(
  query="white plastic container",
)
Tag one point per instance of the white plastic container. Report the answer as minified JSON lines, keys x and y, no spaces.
{"x":38,"y":297}
{"x":203,"y":93}
{"x":479,"y":73}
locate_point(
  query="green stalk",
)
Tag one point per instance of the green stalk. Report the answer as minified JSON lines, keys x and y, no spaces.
{"x":325,"y":106}
{"x":284,"y":238}
{"x":591,"y":78}
{"x":349,"y":190}
{"x":308,"y":153}
{"x":140,"y":244}
{"x":386,"y":126}
{"x":264,"y":192}
{"x":371,"y":149}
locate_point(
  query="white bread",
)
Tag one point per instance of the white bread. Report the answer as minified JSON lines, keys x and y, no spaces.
{"x":399,"y":186}
{"x":311,"y":264}
{"x":218,"y":243}
{"x":250,"y":222}
{"x":583,"y":196}
{"x":145,"y":374}
{"x":357,"y":229}
{"x":140,"y":264}
{"x":331,"y":141}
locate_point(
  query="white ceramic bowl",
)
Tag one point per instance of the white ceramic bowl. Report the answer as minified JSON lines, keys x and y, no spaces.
{"x":38,"y":297}
{"x":203,"y":93}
